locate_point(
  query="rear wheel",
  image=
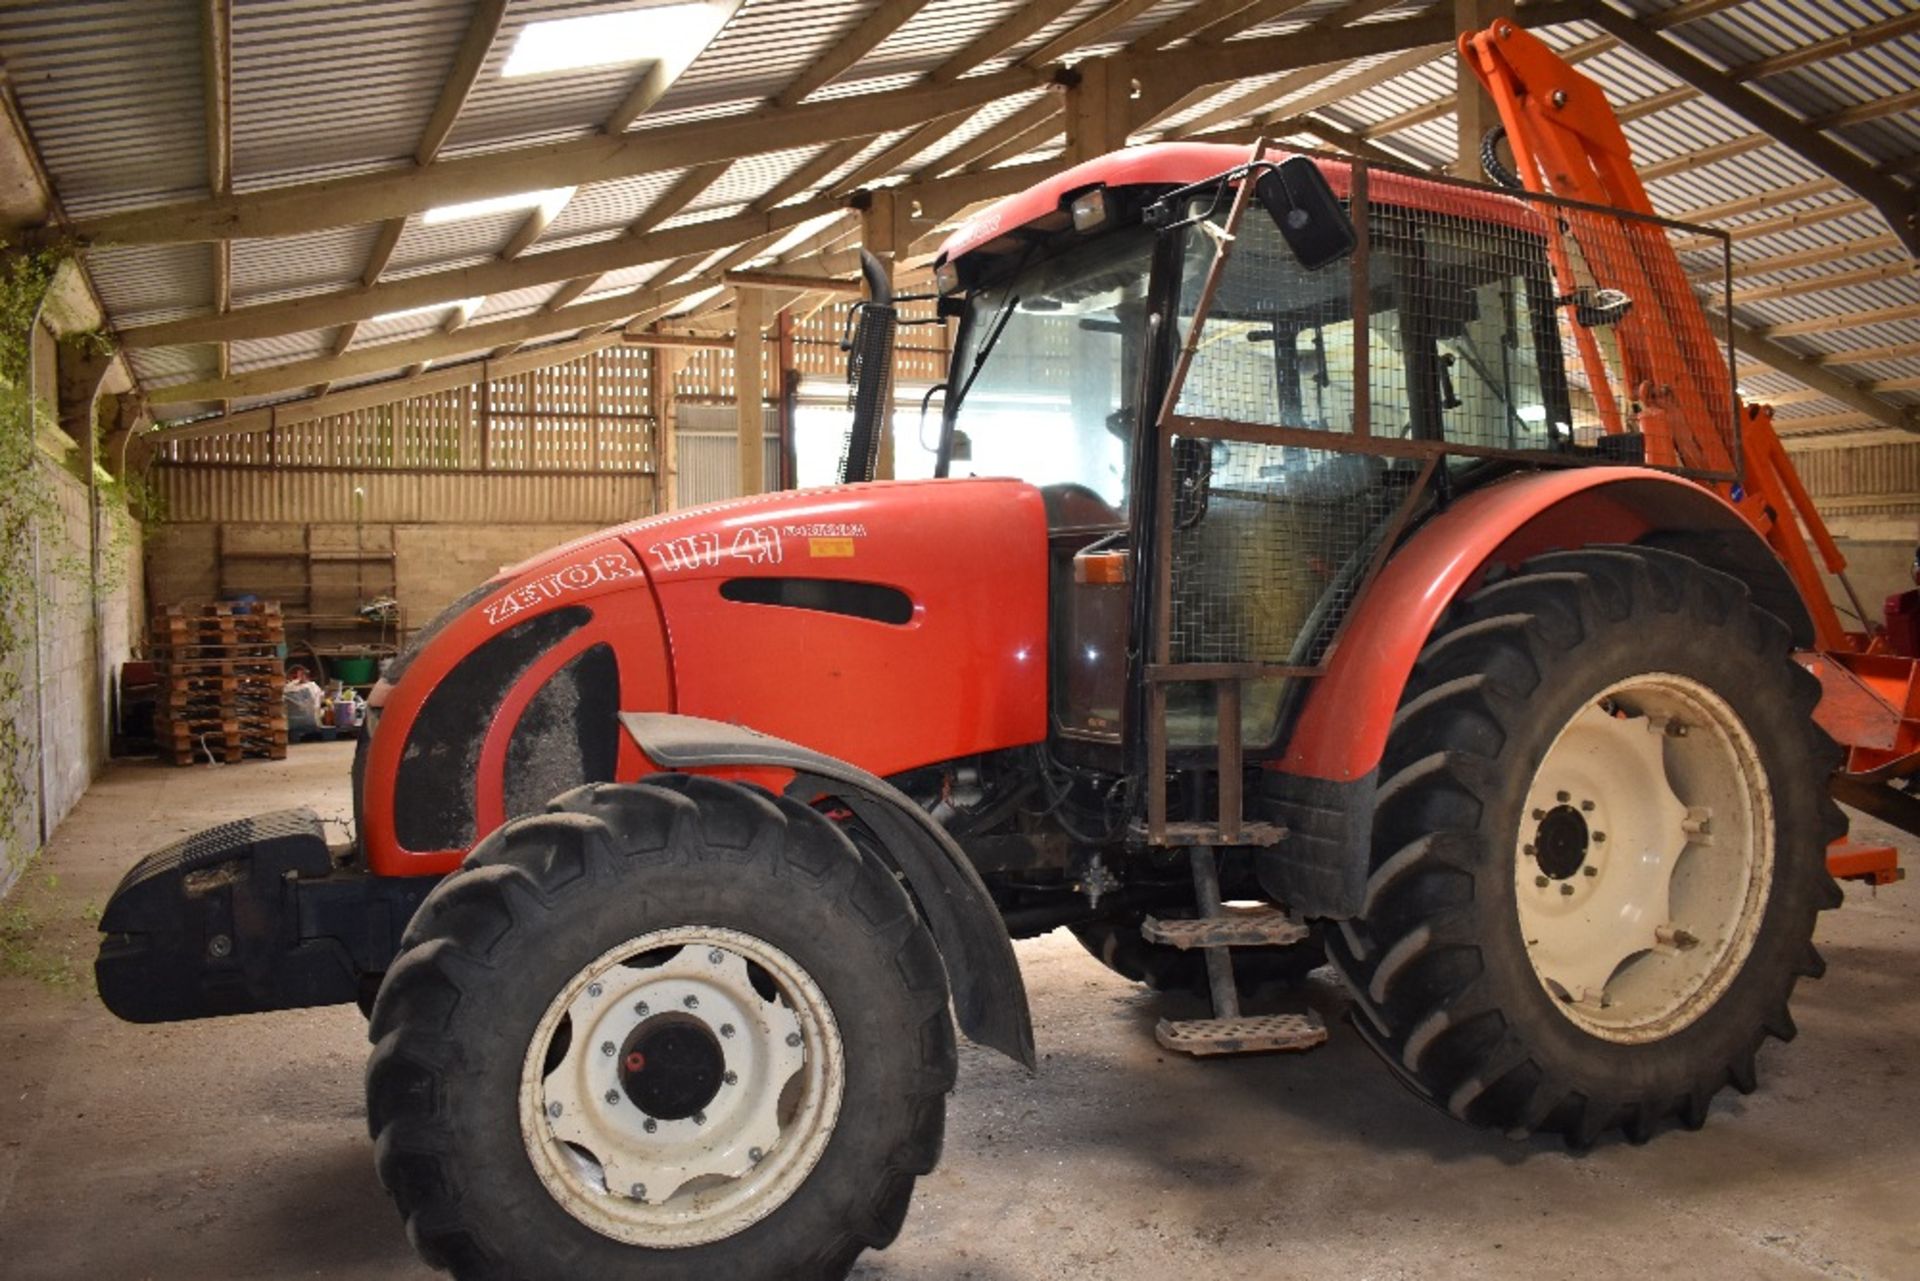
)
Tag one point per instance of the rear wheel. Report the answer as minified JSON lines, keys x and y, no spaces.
{"x":1598,"y":849}
{"x":681,"y":1029}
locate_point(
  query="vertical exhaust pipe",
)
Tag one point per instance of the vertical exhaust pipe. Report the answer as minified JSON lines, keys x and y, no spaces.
{"x":869,"y":347}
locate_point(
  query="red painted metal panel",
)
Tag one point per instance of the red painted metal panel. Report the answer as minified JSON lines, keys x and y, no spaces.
{"x":1175,"y":164}
{"x":966,"y":673}
{"x":1343,"y":727}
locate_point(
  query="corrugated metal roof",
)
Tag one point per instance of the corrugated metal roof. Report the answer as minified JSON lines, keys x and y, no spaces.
{"x":112,"y":92}
{"x":355,"y":97}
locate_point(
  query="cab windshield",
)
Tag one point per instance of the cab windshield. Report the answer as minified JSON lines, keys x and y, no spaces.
{"x":1051,"y":402}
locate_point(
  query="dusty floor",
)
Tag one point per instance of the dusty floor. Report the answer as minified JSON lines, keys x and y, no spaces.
{"x":237,"y":1148}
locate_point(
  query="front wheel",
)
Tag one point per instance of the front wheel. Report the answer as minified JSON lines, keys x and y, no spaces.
{"x":680,"y":1029}
{"x":1598,"y":849}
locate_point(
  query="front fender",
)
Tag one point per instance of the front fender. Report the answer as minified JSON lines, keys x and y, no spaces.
{"x":989,"y":998}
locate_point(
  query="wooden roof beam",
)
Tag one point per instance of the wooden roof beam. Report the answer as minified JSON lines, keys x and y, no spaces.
{"x":217,"y":87}
{"x":880,"y":22}
{"x":1847,"y":42}
{"x":1897,"y":203}
{"x":1859,"y":397}
{"x":434,"y":346}
{"x":611,"y":311}
{"x":301,"y":208}
{"x":323,"y":311}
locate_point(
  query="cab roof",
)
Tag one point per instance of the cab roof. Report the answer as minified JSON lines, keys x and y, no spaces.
{"x":1176,"y":164}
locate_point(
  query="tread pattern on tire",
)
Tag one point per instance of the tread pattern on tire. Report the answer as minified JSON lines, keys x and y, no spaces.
{"x":596,"y":834}
{"x":1413,"y":963}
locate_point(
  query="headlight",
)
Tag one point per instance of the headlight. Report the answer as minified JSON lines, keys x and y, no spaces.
{"x":1090,"y":209}
{"x":946,"y":277}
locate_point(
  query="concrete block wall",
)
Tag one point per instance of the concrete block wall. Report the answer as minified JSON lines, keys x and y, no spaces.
{"x":434,"y":564}
{"x":80,"y":630}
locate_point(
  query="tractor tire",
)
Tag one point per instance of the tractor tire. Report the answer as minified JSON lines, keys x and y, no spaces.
{"x":1512,"y":965}
{"x":1118,"y":945}
{"x":678,"y":1030}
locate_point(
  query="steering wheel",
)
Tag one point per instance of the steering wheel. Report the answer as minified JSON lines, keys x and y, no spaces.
{"x":1072,"y":505}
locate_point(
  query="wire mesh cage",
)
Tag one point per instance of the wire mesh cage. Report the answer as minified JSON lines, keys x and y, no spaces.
{"x":1470,"y":324}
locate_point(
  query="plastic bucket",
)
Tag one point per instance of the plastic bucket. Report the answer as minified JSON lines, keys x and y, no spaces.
{"x":357,"y":670}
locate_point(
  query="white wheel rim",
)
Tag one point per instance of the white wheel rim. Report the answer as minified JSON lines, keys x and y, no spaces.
{"x":1644,"y":858}
{"x":669,"y":1180}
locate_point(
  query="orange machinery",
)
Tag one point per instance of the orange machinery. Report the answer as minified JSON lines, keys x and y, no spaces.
{"x":1567,"y":141}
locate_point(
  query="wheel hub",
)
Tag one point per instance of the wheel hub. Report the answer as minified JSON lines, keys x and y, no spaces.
{"x":672,"y":1066}
{"x":681,"y":1086}
{"x":1645,"y":853}
{"x":1560,"y":843}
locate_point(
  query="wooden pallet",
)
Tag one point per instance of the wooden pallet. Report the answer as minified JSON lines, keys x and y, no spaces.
{"x":220,"y":682}
{"x":190,"y":743}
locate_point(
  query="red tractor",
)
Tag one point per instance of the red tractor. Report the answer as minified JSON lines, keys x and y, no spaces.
{"x":1389,"y":576}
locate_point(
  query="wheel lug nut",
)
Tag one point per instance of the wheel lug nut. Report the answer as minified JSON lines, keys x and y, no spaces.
{"x":731,"y":1078}
{"x":1599,"y":838}
{"x":594,"y":989}
{"x":649,"y":1125}
{"x":1587,"y":806}
{"x":641,"y":1009}
{"x":726,"y":1029}
{"x":639,"y":1191}
{"x":607,"y":1048}
{"x":693,"y":1002}
{"x":553,"y":1110}
{"x":1563,"y":797}
{"x":755,"y":1155}
{"x":1566,"y":889}
{"x":613,"y":1096}
{"x":699,"y":1118}
{"x":1538,"y":815}
{"x":1590,"y":870}
{"x":714,"y":957}
{"x":793,"y":1039}
{"x":1540,"y":881}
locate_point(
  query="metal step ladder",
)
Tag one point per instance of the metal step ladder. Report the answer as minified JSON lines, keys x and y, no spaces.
{"x":1216,"y":931}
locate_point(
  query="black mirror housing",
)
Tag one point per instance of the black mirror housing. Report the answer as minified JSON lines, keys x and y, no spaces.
{"x":1316,"y":227}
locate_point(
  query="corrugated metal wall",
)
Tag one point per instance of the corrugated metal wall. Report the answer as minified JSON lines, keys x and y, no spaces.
{"x":708,"y":452}
{"x":1858,"y":479}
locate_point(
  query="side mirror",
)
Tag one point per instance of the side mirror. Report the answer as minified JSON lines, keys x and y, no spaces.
{"x":1297,"y":197}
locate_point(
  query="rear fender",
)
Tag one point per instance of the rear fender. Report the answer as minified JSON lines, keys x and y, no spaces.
{"x":1342,"y":730}
{"x":1324,"y":785}
{"x":989,"y":998}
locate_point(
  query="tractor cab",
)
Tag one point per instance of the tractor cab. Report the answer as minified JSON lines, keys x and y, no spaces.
{"x":1435,"y":323}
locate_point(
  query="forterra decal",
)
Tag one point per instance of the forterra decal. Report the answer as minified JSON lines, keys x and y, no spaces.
{"x":576,"y":577}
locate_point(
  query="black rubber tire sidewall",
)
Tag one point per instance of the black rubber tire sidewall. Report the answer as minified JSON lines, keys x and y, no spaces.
{"x":1753,"y":687}
{"x":875,"y":976}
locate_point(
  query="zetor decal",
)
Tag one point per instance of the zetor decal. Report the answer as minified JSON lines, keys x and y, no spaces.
{"x":576,"y":577}
{"x":756,"y":544}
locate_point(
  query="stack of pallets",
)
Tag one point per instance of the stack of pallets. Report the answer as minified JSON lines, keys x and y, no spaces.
{"x":220,"y":682}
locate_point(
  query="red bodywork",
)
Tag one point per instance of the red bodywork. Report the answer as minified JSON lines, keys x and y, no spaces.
{"x":1177,"y":164}
{"x":966,"y":673}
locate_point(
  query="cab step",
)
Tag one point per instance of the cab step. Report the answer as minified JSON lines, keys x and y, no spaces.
{"x":1249,"y":1034}
{"x":1232,"y":927}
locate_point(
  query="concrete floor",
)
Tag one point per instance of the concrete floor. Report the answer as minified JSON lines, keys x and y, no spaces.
{"x":238,"y":1148}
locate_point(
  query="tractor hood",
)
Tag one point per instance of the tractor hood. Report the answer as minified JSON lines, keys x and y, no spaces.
{"x":891,"y":625}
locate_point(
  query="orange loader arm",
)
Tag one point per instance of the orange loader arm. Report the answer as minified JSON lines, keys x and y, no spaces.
{"x":1677,"y":387}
